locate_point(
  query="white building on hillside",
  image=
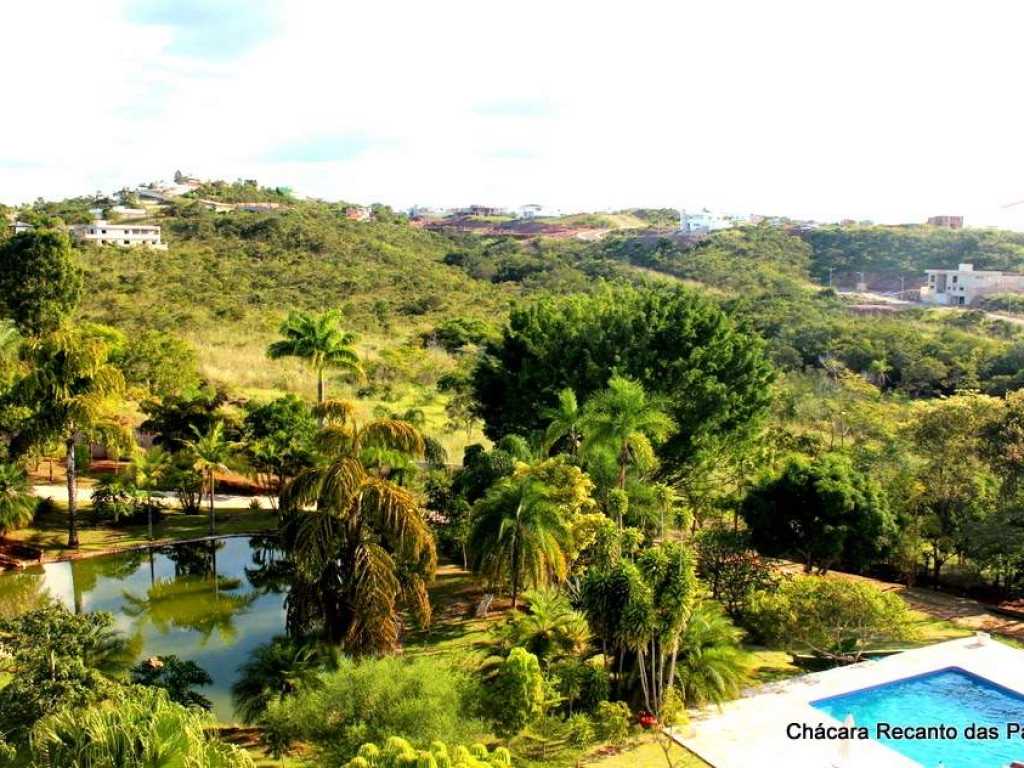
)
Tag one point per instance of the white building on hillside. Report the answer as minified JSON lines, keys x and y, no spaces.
{"x":702,"y":222}
{"x":530,"y":211}
{"x":126,"y":234}
{"x":17,"y":227}
{"x":964,"y":285}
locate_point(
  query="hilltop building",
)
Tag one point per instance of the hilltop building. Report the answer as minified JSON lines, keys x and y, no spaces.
{"x":125,"y":235}
{"x":964,"y":285}
{"x":948,"y":222}
{"x":359,"y":213}
{"x":530,"y":211}
{"x":17,"y":227}
{"x":702,"y":222}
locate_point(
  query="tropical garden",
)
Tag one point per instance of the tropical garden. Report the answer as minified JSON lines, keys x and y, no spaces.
{"x":516,"y":530}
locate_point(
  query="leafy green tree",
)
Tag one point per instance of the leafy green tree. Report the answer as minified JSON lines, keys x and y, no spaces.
{"x":320,"y":341}
{"x":40,"y":283}
{"x":275,"y":670}
{"x":210,"y":453}
{"x":17,"y":504}
{"x":158,"y":362}
{"x":517,"y":691}
{"x":278,"y":439}
{"x":178,"y":677}
{"x":521,"y":527}
{"x":175,"y":419}
{"x":358,"y":541}
{"x":837,"y":619}
{"x":564,"y":423}
{"x":137,"y":726}
{"x":670,"y":340}
{"x":732,"y":570}
{"x":823,"y":511}
{"x":75,"y":391}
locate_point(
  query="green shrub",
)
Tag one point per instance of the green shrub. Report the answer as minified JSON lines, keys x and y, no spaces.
{"x":517,"y":692}
{"x":613,"y":719}
{"x":385,"y":701}
{"x":399,"y":753}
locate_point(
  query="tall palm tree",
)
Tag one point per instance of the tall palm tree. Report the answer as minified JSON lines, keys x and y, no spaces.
{"x":320,"y":341}
{"x":359,"y":543}
{"x":17,"y":503}
{"x":75,"y":390}
{"x":521,"y":531}
{"x":563,"y":423}
{"x":625,"y":420}
{"x":210,"y":454}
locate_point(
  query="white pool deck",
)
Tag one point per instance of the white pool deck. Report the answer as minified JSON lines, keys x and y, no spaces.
{"x":751,"y":732}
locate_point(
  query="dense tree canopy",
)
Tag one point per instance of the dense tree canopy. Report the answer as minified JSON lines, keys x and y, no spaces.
{"x":40,"y":282}
{"x":671,"y":340}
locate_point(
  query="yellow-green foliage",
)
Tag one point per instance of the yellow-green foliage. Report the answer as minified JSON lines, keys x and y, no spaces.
{"x":399,"y":753}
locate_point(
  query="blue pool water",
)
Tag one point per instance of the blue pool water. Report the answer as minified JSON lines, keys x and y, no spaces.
{"x":946,"y":697}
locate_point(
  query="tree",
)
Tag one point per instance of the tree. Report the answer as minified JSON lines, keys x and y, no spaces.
{"x":672,"y":341}
{"x":563,"y":423}
{"x":320,"y":341}
{"x":74,"y":390}
{"x":17,"y":504}
{"x":279,"y":438}
{"x":359,"y":543}
{"x":272,"y":671}
{"x":174,"y":419}
{"x":517,"y":691}
{"x":136,"y":726}
{"x":177,"y":677}
{"x":521,"y":528}
{"x":624,"y":421}
{"x":838,"y":619}
{"x":40,"y":283}
{"x":731,"y":569}
{"x":148,"y":470}
{"x":552,"y":629}
{"x":210,"y":454}
{"x":823,"y":511}
{"x":711,"y":667}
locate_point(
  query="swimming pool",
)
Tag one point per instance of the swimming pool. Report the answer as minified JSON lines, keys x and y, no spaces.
{"x":952,"y":697}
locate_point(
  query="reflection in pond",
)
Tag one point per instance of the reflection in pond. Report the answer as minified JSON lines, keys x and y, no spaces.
{"x":210,"y":602}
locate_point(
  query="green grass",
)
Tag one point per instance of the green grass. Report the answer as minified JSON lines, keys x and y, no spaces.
{"x":643,"y":753}
{"x":50,"y":533}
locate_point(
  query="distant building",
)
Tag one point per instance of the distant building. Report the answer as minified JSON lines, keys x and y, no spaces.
{"x":125,"y":235}
{"x":702,"y":222}
{"x":481,"y":210}
{"x":257,"y":207}
{"x":964,"y":285}
{"x":949,"y":222}
{"x":125,"y":212}
{"x":359,"y":213}
{"x":17,"y":227}
{"x":530,"y":211}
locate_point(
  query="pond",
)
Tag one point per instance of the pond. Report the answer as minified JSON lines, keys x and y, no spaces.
{"x":211,"y":602}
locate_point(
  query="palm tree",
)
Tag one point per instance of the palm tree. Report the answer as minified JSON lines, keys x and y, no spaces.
{"x":17,"y":504}
{"x":358,"y":540}
{"x":210,"y":454}
{"x":320,"y":341}
{"x":710,"y":667}
{"x":75,"y":390}
{"x":552,"y":629}
{"x":879,"y":371}
{"x":148,"y":470}
{"x":564,"y":423}
{"x":275,"y":670}
{"x":521,"y":531}
{"x":624,"y":420}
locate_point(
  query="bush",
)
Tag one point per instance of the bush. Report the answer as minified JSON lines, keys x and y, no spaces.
{"x":421,"y":700}
{"x":118,"y":501}
{"x":731,"y":568}
{"x":399,"y":753}
{"x":613,"y":719}
{"x":581,"y":730}
{"x":582,"y":686}
{"x":517,"y":692}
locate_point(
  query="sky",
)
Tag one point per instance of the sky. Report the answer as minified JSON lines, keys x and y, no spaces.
{"x":890,"y":111}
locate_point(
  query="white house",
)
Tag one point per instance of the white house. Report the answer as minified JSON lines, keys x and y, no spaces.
{"x":126,"y":234}
{"x":702,"y":222}
{"x":964,"y":285}
{"x":17,"y":227}
{"x":530,"y":211}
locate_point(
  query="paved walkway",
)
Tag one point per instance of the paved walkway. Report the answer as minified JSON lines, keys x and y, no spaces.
{"x":752,"y":731}
{"x":59,"y":493}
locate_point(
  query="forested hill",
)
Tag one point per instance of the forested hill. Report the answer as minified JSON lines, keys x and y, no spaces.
{"x":911,"y":249}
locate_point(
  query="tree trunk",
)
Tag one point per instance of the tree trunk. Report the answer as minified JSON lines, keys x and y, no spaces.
{"x":320,"y":393}
{"x":213,"y":515}
{"x":72,"y":494}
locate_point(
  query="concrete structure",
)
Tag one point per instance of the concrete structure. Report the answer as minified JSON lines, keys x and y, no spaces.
{"x":702,"y":222}
{"x":752,"y":731}
{"x":964,"y":285}
{"x":17,"y":227}
{"x":530,"y":211}
{"x":949,"y":222}
{"x":125,"y":235}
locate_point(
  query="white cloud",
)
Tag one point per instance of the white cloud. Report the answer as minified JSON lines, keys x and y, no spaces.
{"x":890,"y":111}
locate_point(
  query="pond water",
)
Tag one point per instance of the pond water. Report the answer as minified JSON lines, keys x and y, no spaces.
{"x":210,"y":602}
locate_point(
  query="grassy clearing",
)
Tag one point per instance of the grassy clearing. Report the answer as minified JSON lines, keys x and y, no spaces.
{"x":49,"y":532}
{"x":643,"y":753}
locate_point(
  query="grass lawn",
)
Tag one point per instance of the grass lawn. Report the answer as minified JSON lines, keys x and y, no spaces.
{"x":50,"y":533}
{"x":644,"y":753}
